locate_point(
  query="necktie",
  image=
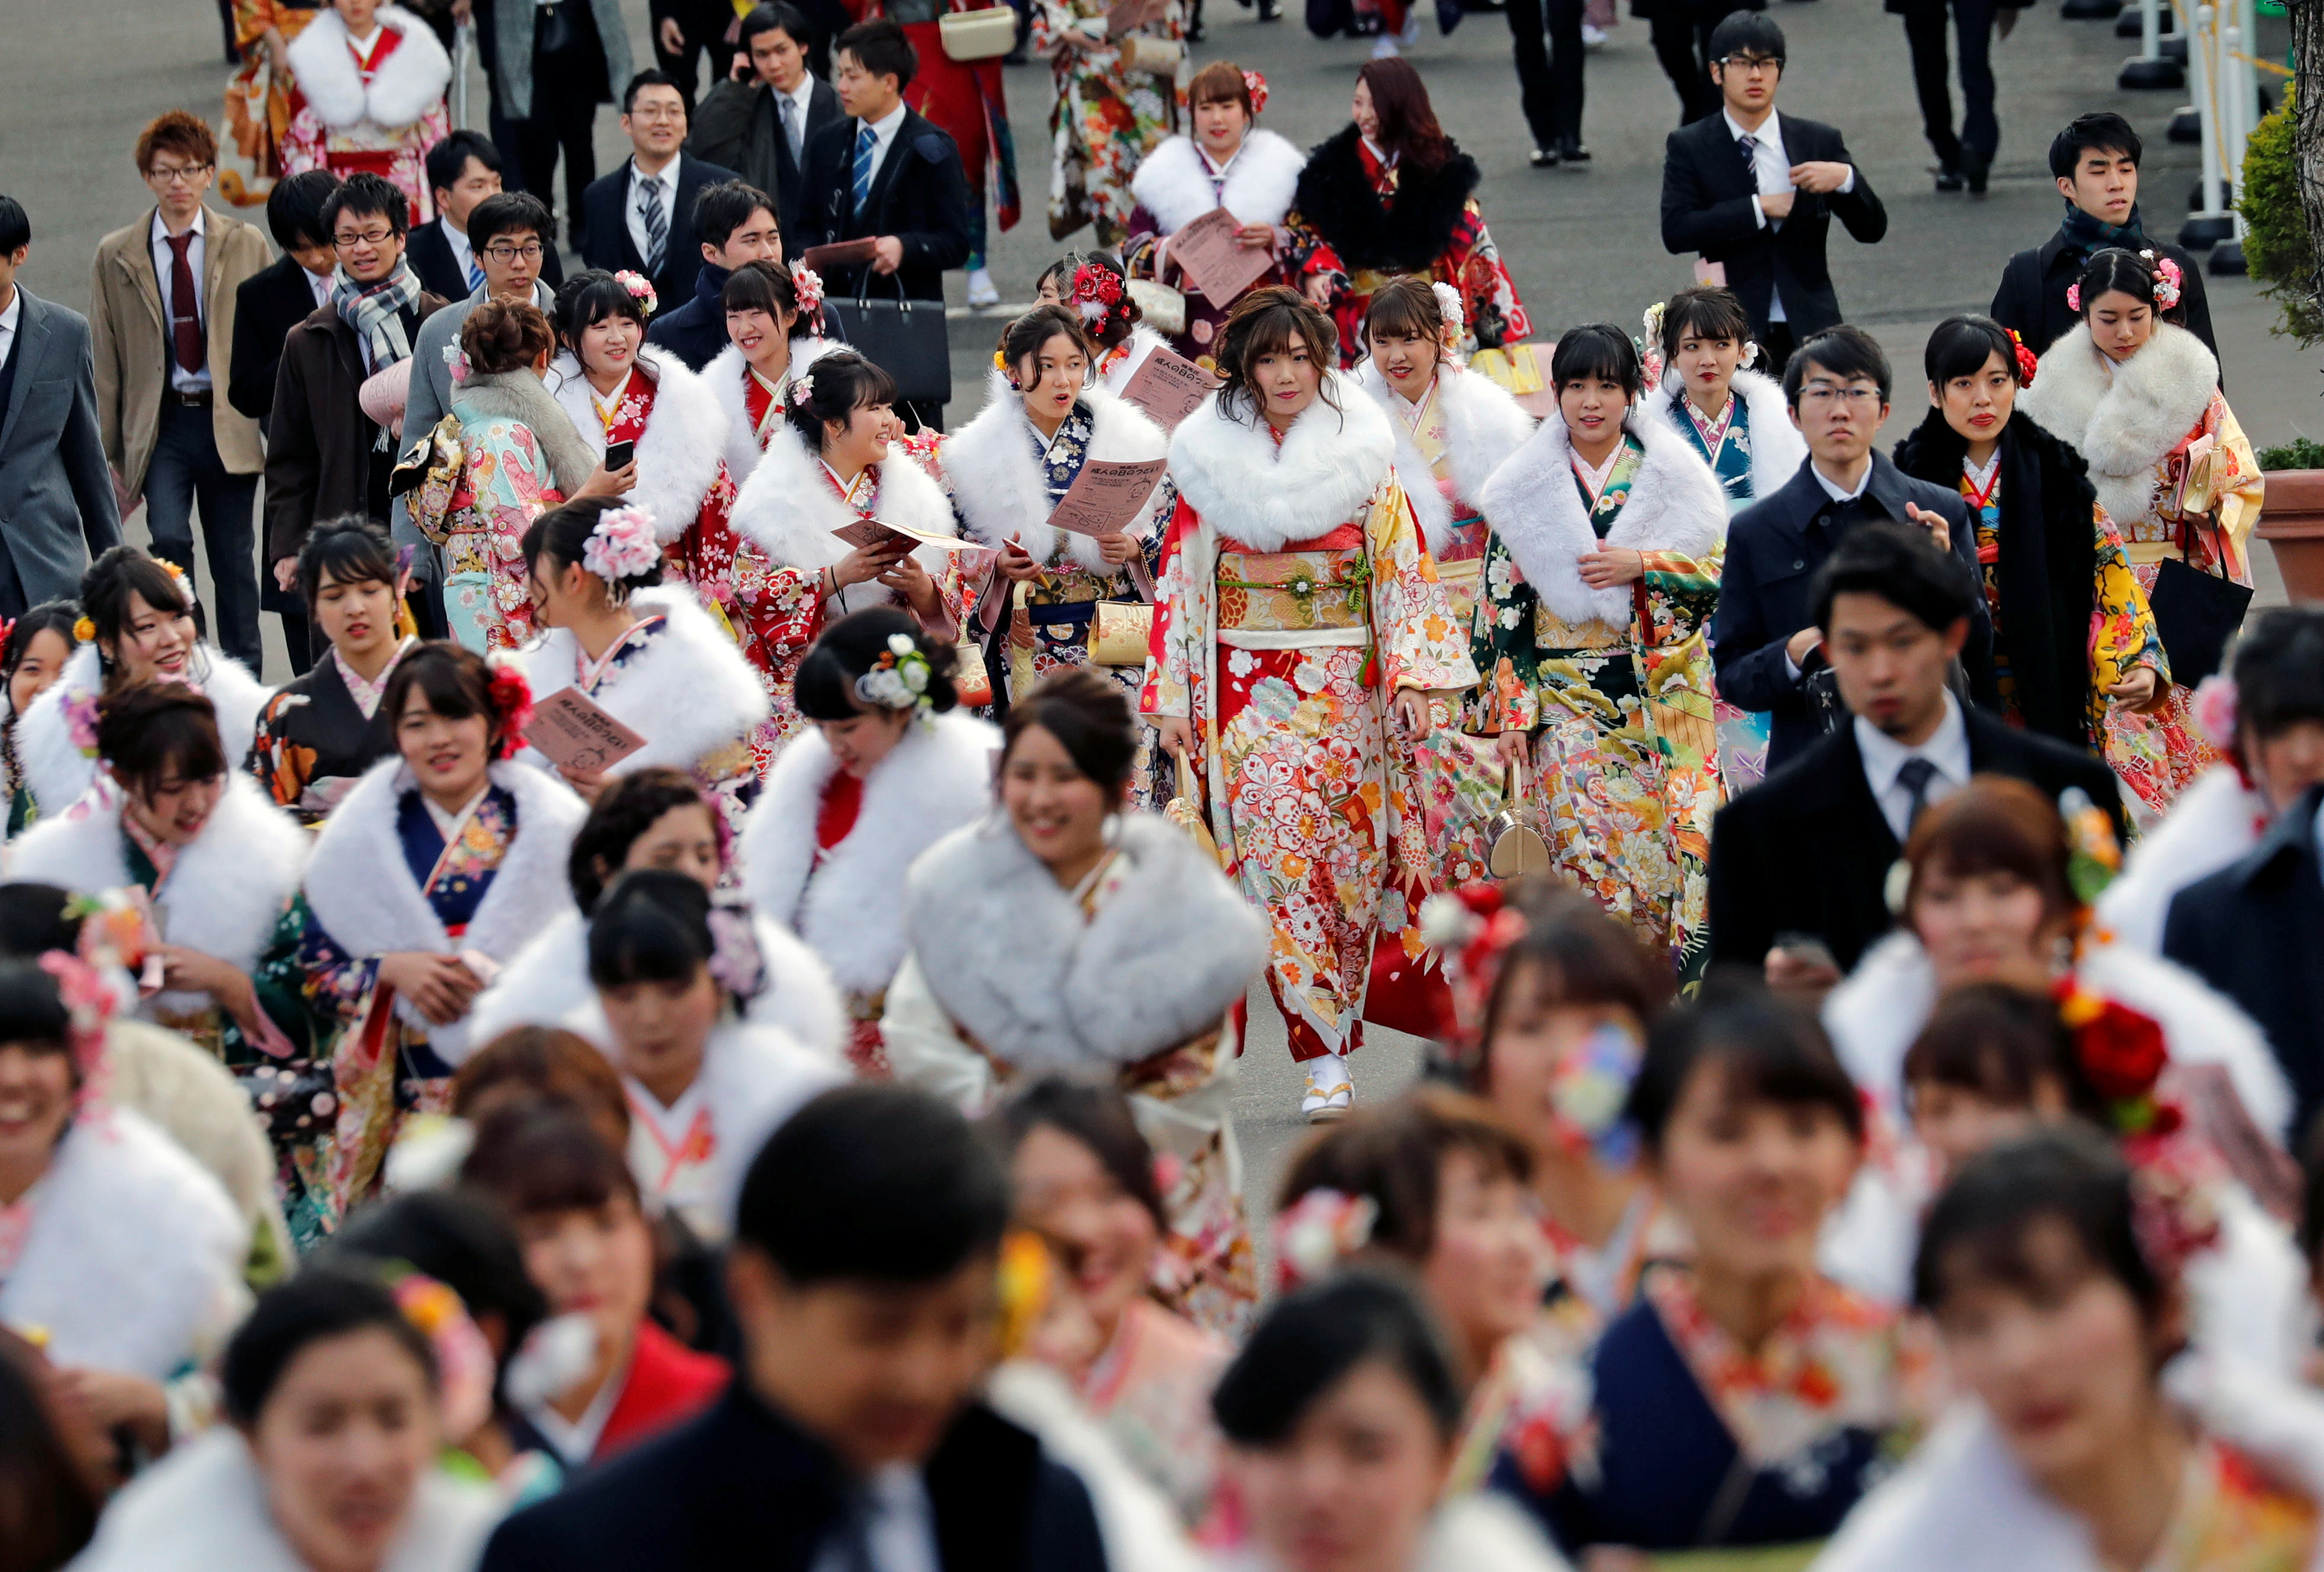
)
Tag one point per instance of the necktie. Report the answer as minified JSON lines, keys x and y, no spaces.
{"x":475,"y":271}
{"x":185,"y":305}
{"x":788,"y":110}
{"x":1748,"y":146}
{"x":1914,"y":776}
{"x":657,"y":227}
{"x":865,"y":142}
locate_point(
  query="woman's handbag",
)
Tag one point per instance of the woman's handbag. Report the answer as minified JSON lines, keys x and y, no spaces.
{"x":1121,"y":632}
{"x":1186,"y":810}
{"x":1163,"y":308}
{"x":1158,"y":57}
{"x":1514,"y":848}
{"x":978,"y":35}
{"x":2195,"y":612}
{"x":904,"y":337}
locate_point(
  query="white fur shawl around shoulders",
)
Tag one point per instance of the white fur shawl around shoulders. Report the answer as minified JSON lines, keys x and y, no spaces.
{"x":685,"y":437}
{"x":407,"y":84}
{"x":1173,"y":182}
{"x":361,"y":892}
{"x":851,"y":910}
{"x":2214,"y":822}
{"x":2122,"y":419}
{"x":753,"y":1078}
{"x":689,"y":696}
{"x":55,"y":771}
{"x":1777,"y":448}
{"x":788,"y":509}
{"x":1675,"y":504}
{"x":1011,"y":957}
{"x":230,"y":885}
{"x":1483,"y":428}
{"x":1270,"y":497}
{"x":726,"y":376}
{"x":993,"y":468}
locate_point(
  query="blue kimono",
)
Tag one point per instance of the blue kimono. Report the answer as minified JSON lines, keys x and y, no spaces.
{"x":1726,"y":449}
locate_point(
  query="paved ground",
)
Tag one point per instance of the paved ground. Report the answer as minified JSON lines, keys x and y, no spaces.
{"x":76,"y":81}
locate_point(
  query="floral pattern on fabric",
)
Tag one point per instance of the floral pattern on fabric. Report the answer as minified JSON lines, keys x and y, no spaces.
{"x":398,"y":152}
{"x":1106,"y":117}
{"x":504,"y":484}
{"x":1725,"y":445}
{"x":258,"y":99}
{"x":2232,"y":1516}
{"x":727,"y":776}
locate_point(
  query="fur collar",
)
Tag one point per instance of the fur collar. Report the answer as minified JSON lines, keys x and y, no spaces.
{"x":725,"y":377}
{"x":1140,"y":1528}
{"x":1173,"y":181}
{"x":519,"y":396}
{"x":1269,"y":498}
{"x":55,"y":771}
{"x":789,"y":510}
{"x":134,"y":1254}
{"x":363,"y":894}
{"x":1408,"y":232}
{"x":407,"y":84}
{"x":1675,"y":505}
{"x":548,"y":985}
{"x":223,"y":898}
{"x":995,"y":478}
{"x":685,"y":435}
{"x":851,"y":910}
{"x":1011,"y":958}
{"x":1777,"y":448}
{"x":688,"y":694}
{"x":1876,"y":1012}
{"x":1483,"y":426}
{"x":2122,"y":419}
{"x":204,"y":1505}
{"x":2212,"y":824}
{"x":753,"y":1078}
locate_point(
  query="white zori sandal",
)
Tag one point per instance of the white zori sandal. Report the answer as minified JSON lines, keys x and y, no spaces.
{"x":1331,"y":1092}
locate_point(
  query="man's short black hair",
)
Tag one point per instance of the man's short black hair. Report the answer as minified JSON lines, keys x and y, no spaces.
{"x":651,"y":77}
{"x":295,"y":208}
{"x":507,"y":213}
{"x":447,"y":161}
{"x":1899,"y":563}
{"x":873,"y":1182}
{"x":773,"y":16}
{"x":365,"y":194}
{"x":1843,"y":352}
{"x":2278,"y":666}
{"x":16,"y":228}
{"x":880,"y":47}
{"x":1748,"y":33}
{"x":721,"y":210}
{"x":2101,"y":131}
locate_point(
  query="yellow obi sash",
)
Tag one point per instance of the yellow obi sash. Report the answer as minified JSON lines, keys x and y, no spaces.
{"x":1286,"y":600}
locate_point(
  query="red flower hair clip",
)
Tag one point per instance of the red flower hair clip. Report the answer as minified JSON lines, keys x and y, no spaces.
{"x":1256,"y":85}
{"x":2121,"y":1055}
{"x":511,"y":697}
{"x":2027,"y":361}
{"x":1095,"y":295}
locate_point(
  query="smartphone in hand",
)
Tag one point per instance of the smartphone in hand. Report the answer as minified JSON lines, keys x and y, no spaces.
{"x":618,"y":456}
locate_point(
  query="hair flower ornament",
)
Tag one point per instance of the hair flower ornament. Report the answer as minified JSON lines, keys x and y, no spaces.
{"x":735,"y":964}
{"x":456,"y":361}
{"x":2074,"y":296}
{"x":900,"y":680}
{"x":83,"y":630}
{"x":802,"y":390}
{"x":464,"y":1357}
{"x":2028,"y":363}
{"x":511,"y":697}
{"x":79,"y":711}
{"x":1255,"y":84}
{"x":1650,"y":346}
{"x":1095,"y":294}
{"x":90,"y":1002}
{"x":1454,"y":321}
{"x":2216,"y":706}
{"x":623,"y":546}
{"x":2169,"y":281}
{"x":1319,"y":1230}
{"x":641,"y":290}
{"x":807,"y":284}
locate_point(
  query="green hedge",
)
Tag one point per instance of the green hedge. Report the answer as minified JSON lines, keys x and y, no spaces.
{"x":2275,"y":232}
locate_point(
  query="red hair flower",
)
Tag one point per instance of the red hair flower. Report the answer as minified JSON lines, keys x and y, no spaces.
{"x":2121,"y":1051}
{"x":1256,"y":85}
{"x":511,"y":697}
{"x":2027,"y":361}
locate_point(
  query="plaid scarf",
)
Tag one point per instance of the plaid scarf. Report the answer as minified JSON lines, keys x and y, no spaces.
{"x":375,"y":311}
{"x":2087,"y":235}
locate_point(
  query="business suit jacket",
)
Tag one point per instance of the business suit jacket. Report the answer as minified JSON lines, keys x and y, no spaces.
{"x":1707,"y":194}
{"x":606,"y":208}
{"x":1774,"y":549}
{"x":736,"y":125}
{"x":319,"y":449}
{"x":2032,"y":295}
{"x":2254,"y":931}
{"x":267,"y":306}
{"x":742,"y":1489}
{"x":1808,"y":851}
{"x":919,"y":195}
{"x":57,"y":507}
{"x":129,"y":341}
{"x":440,"y":273}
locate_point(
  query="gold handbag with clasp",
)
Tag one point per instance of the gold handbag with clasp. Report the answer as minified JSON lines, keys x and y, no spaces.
{"x":1514,"y":848}
{"x":1121,"y":632}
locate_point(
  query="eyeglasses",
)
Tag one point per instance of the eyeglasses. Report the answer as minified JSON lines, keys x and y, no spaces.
{"x":1751,"y":65}
{"x":365,"y":237}
{"x":175,"y":174}
{"x":1823,"y":395}
{"x":505,"y":255}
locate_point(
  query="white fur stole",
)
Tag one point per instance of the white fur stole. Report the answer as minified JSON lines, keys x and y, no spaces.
{"x":993,"y":472}
{"x":1483,"y":428}
{"x":407,"y":84}
{"x":1268,"y":496}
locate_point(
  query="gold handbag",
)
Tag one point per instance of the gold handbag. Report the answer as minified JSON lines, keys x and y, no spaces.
{"x":1163,"y":308}
{"x":978,"y":35}
{"x":1186,"y":810}
{"x":1121,"y":633}
{"x":1514,"y":848}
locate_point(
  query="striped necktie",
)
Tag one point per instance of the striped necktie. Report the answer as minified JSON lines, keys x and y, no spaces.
{"x":866,"y":141}
{"x":475,"y":271}
{"x":657,"y":225}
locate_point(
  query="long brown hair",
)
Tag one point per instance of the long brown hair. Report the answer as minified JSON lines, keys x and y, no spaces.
{"x":1268,"y":321}
{"x":1407,"y":124}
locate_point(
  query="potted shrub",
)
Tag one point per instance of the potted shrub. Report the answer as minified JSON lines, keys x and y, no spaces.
{"x":2280,"y":248}
{"x":2291,"y":519}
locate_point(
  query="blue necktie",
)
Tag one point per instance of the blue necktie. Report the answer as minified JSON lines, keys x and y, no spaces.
{"x":865,"y":142}
{"x":475,"y":272}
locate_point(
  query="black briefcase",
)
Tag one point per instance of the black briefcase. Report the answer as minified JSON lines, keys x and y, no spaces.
{"x":903,"y":337}
{"x":2196,"y":613}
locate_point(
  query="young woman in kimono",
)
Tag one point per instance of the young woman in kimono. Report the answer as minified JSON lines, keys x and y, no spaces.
{"x":1093,"y":286}
{"x":890,"y":767}
{"x":1227,"y":162}
{"x":1744,"y":1399}
{"x":648,"y":656}
{"x":774,"y":321}
{"x":321,"y":732}
{"x":1393,"y":194}
{"x":37,"y":644}
{"x":136,"y":625}
{"x":1593,"y":635}
{"x":428,"y":875}
{"x":1299,"y":634}
{"x":1118,"y":95}
{"x":615,"y":388}
{"x":707,"y":1087}
{"x":367,"y":95}
{"x":1736,"y":419}
{"x":2053,"y":1279}
{"x":1009,"y":469}
{"x":1072,"y":934}
{"x":2138,"y":397}
{"x":1456,"y":429}
{"x":832,"y":464}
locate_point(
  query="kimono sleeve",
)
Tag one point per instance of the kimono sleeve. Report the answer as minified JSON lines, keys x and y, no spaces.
{"x":1501,"y":645}
{"x":1687,"y":585}
{"x":1175,"y":653}
{"x":2238,"y":485}
{"x":2123,"y":635}
{"x":1496,"y":316}
{"x":278,"y":763}
{"x":335,"y":983}
{"x":1420,"y":644}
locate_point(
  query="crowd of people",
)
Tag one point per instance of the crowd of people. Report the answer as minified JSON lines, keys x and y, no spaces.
{"x":700,"y":1025}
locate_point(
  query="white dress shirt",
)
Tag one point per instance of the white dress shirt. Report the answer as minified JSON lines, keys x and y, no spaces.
{"x":794,"y":121}
{"x":667,"y":181}
{"x":1773,"y":167}
{"x":883,"y":137}
{"x":322,"y":284}
{"x":165,"y":262}
{"x":1832,"y":487}
{"x":8,"y":320}
{"x":899,"y":1528}
{"x":1947,"y":749}
{"x":462,"y":253}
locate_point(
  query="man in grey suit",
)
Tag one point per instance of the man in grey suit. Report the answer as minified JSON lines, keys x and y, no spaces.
{"x":57,"y":503}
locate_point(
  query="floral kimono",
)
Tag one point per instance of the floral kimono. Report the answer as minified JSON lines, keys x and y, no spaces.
{"x":1295,"y":601}
{"x":321,"y":732}
{"x":753,"y":408}
{"x":968,"y":101}
{"x":501,"y":458}
{"x":1614,"y":683}
{"x":1109,"y":112}
{"x":258,"y":98}
{"x":679,"y":431}
{"x":1177,"y":183}
{"x":375,"y":107}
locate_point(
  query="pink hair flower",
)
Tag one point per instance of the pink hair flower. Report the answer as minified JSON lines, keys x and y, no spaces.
{"x":623,"y":546}
{"x":2074,"y":296}
{"x":2214,"y":709}
{"x":79,"y":709}
{"x":1256,"y":85}
{"x":2168,"y":282}
{"x":809,"y":285}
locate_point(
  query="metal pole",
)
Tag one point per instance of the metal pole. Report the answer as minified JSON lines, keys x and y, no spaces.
{"x":460,"y":39}
{"x":2209,"y":224}
{"x":2237,"y":102}
{"x":2152,"y":69}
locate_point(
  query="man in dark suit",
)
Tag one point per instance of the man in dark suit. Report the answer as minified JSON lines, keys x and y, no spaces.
{"x":2095,"y":161}
{"x":1754,"y":192}
{"x":272,"y":302}
{"x":1807,"y":851}
{"x":862,"y":1278}
{"x":761,"y":123}
{"x":1764,"y":638}
{"x":639,"y":217}
{"x":462,"y":169}
{"x":58,"y":506}
{"x":736,"y":224}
